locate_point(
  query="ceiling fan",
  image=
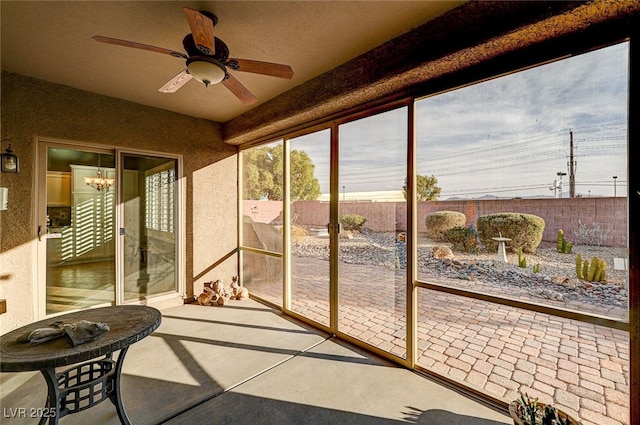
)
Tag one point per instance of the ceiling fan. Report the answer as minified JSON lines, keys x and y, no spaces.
{"x":207,"y":58}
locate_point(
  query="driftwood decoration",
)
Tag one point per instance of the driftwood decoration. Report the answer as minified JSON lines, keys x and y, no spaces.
{"x":214,"y":293}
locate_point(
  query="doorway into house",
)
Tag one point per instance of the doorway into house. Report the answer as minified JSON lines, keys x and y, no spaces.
{"x":106,"y":227}
{"x":78,"y":238}
{"x":149,"y":225}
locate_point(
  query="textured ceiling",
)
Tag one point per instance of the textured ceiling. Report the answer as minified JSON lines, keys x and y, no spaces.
{"x":52,"y":41}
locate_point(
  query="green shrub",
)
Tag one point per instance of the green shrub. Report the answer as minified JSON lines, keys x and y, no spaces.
{"x":524,"y":230}
{"x":463,"y":239}
{"x":439,"y":222}
{"x":352,"y":222}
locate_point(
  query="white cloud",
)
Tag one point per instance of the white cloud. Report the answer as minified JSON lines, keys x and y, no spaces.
{"x":508,"y":136}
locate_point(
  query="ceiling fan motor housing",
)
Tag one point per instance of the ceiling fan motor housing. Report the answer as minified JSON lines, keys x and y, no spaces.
{"x":200,"y":64}
{"x":221,"y":54}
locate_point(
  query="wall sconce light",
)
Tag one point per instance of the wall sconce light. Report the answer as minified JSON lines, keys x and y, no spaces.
{"x":8,"y":160}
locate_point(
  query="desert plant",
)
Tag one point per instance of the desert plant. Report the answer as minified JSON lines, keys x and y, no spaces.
{"x":463,"y":238}
{"x":596,"y":271}
{"x":439,"y":222}
{"x":593,"y":235}
{"x":524,"y":230}
{"x":522,"y":261}
{"x":298,"y":233}
{"x":579,"y":267}
{"x":353,"y":222}
{"x":563,"y":246}
{"x":536,"y":268}
{"x":528,"y":411}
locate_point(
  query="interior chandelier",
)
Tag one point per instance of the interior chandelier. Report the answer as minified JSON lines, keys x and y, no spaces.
{"x":99,"y":182}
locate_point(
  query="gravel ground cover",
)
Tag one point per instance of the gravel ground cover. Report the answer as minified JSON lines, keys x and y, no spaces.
{"x":555,"y":284}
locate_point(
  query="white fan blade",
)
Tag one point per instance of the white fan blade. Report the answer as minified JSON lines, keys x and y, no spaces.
{"x":176,"y":82}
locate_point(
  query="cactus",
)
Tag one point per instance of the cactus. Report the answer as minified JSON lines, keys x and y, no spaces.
{"x":536,"y":268}
{"x":522,"y":261}
{"x":579,"y":266}
{"x":529,"y":408}
{"x":596,"y":271}
{"x":531,"y":412}
{"x":563,"y":246}
{"x":601,"y":273}
{"x":593,"y":269}
{"x":567,"y":247}
{"x":591,"y":272}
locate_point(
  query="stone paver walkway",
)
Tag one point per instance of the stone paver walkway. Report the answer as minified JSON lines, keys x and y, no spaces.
{"x":500,"y":350}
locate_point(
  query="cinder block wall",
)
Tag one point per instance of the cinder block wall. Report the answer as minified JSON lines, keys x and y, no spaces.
{"x":565,"y":214}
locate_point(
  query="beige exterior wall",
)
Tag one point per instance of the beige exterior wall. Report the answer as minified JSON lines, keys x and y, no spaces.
{"x":34,"y":108}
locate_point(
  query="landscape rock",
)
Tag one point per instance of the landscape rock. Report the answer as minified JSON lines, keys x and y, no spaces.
{"x":556,"y":282}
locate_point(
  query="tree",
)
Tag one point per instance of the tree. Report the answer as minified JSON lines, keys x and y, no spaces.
{"x":257,"y":176}
{"x":263,"y":174}
{"x":426,"y":188}
{"x":304,"y":186}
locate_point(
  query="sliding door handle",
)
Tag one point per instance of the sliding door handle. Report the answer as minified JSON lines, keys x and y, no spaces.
{"x":331,"y":227}
{"x":39,"y":233}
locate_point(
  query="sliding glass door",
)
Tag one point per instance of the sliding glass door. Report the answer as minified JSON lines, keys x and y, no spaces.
{"x":77,"y":230}
{"x":107,"y":227}
{"x":148,"y":225}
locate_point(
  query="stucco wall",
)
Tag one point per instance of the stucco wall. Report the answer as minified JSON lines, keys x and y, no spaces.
{"x":34,"y":108}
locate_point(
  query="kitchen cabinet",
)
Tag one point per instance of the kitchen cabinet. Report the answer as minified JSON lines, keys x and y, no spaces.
{"x":58,"y":189}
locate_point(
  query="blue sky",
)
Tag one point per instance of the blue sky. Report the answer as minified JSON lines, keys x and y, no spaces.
{"x":505,"y":137}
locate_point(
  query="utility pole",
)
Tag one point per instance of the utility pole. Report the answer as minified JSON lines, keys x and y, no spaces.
{"x":571,"y":165}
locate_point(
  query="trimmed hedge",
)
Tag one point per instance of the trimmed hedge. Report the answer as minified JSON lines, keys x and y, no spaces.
{"x":463,"y":239}
{"x":352,"y":222}
{"x":439,"y":222}
{"x":524,"y":230}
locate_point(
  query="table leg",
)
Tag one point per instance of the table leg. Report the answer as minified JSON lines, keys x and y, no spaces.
{"x":114,"y":392}
{"x":53,"y":398}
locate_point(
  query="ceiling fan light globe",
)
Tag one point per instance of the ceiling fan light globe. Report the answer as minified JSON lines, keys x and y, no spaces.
{"x":206,"y":71}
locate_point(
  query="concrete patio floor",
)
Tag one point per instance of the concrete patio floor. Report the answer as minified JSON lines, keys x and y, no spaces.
{"x":246,"y":363}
